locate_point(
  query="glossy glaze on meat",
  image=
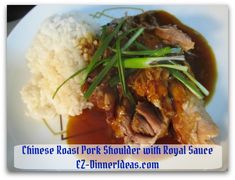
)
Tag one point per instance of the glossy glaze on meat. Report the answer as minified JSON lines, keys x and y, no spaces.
{"x":162,"y":101}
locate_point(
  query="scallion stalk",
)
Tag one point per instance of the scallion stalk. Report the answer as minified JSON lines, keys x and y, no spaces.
{"x":145,"y":62}
{"x":62,"y":84}
{"x":176,"y":67}
{"x":198,"y":84}
{"x":120,"y":67}
{"x":115,"y":79}
{"x":140,"y":46}
{"x":188,"y":84}
{"x":133,"y":38}
{"x":157,"y":52}
{"x":131,"y":99}
{"x":100,"y":77}
{"x":95,"y":59}
{"x":77,"y":73}
{"x":110,"y":64}
{"x":126,"y":33}
{"x":99,"y":52}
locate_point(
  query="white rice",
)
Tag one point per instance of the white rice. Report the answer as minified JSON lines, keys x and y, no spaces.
{"x":52,"y":58}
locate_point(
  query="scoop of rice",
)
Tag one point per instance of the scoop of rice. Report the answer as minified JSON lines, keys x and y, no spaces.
{"x":53,"y":56}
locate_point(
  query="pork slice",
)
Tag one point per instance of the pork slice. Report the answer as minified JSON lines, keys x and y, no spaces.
{"x":103,"y":97}
{"x":140,"y":125}
{"x":150,"y":115}
{"x":152,"y":84}
{"x":122,"y":126}
{"x":173,"y":36}
{"x":192,"y":124}
{"x":156,"y":35}
{"x":147,"y":120}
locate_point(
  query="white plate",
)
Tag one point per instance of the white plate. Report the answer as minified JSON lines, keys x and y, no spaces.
{"x":210,"y":21}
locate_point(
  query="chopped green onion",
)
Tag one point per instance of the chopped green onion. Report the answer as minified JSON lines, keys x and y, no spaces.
{"x":186,"y":82}
{"x":110,"y":64}
{"x":133,"y":38}
{"x":198,"y":84}
{"x":77,"y":73}
{"x":124,"y":34}
{"x":177,"y":67}
{"x":146,"y":62}
{"x":140,"y":46}
{"x":72,"y":76}
{"x":103,"y":33}
{"x":131,"y":8}
{"x":99,"y":14}
{"x":100,"y":77}
{"x":131,"y":99}
{"x":114,"y":81}
{"x":99,"y":52}
{"x":52,"y":131}
{"x":120,"y":67}
{"x":157,"y":52}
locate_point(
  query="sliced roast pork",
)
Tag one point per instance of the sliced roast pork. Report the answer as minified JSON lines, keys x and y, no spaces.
{"x":192,"y":124}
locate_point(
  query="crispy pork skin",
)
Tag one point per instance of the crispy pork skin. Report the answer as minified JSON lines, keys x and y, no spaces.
{"x":192,"y":124}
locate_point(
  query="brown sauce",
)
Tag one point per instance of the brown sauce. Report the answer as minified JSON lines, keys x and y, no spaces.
{"x":167,"y":140}
{"x":91,"y":128}
{"x":203,"y":64}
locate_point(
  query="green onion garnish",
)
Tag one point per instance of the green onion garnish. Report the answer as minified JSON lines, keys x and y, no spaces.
{"x":140,"y":46}
{"x":133,"y":38}
{"x":99,"y":14}
{"x":131,"y":99}
{"x":176,"y":67}
{"x":110,"y":64}
{"x":100,"y":77}
{"x":125,"y":34}
{"x":77,"y":73}
{"x":103,"y":33}
{"x":146,"y":62}
{"x":95,"y":59}
{"x":186,"y":82}
{"x":120,"y":67}
{"x":72,"y":76}
{"x":157,"y":53}
{"x":99,"y":52}
{"x":198,"y":84}
{"x":114,"y":81}
{"x":122,"y":60}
